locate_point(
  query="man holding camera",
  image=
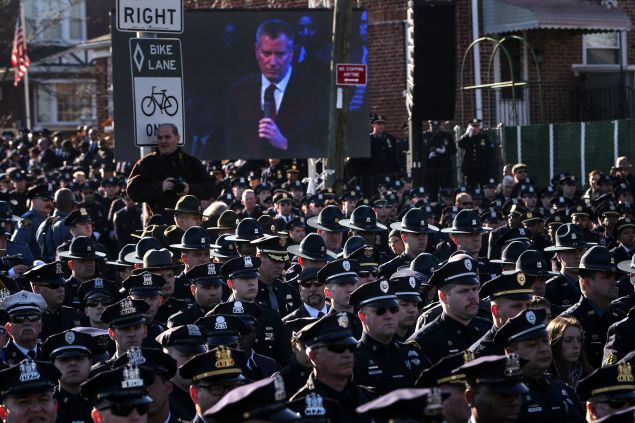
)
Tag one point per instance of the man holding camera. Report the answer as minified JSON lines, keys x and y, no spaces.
{"x":160,"y":178}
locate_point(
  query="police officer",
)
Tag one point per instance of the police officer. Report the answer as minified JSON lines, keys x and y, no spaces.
{"x":263,"y":400}
{"x":25,"y":324}
{"x":213,"y":374}
{"x":41,"y":197}
{"x":382,"y":364}
{"x":19,"y":194}
{"x":82,"y":256}
{"x":164,"y":368}
{"x":27,"y":392}
{"x":48,"y":281}
{"x":126,"y":327}
{"x":439,"y":149}
{"x":146,"y":286}
{"x":509,"y":294}
{"x":182,"y":343}
{"x":206,"y":286}
{"x":71,"y":352}
{"x":564,"y":288}
{"x":407,"y":285}
{"x":494,"y":387}
{"x":597,"y":272}
{"x":420,"y":405}
{"x":195,"y":248}
{"x":119,"y":394}
{"x":272,"y":252}
{"x":95,"y":295}
{"x":549,"y":398}
{"x":328,"y":227}
{"x":7,"y":226}
{"x":330,"y":347}
{"x":607,"y":390}
{"x":480,"y":152}
{"x":457,"y":327}
{"x":414,"y":230}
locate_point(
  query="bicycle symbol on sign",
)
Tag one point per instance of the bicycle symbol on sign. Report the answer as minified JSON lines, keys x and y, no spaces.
{"x":165,"y":103}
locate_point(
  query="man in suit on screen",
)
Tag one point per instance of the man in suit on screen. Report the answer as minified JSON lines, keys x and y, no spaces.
{"x":279,"y":112}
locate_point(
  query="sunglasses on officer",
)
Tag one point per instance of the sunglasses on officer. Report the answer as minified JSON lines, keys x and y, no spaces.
{"x":309,"y":284}
{"x":339,"y":348}
{"x":22,"y":318}
{"x":380,"y":311}
{"x":53,"y":285}
{"x":124,"y":410}
{"x":95,"y":303}
{"x":367,"y":273}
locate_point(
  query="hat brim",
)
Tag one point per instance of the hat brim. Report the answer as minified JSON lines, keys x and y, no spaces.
{"x":185,"y":247}
{"x":429,"y":229}
{"x":385,"y":302}
{"x":478,"y":230}
{"x":295,"y":250}
{"x":626,"y":266}
{"x":119,"y":264}
{"x":131,"y":257}
{"x":244,"y":274}
{"x":336,"y":227}
{"x":506,"y":388}
{"x":127,"y":322}
{"x":236,"y":238}
{"x":377,"y":228}
{"x":565,"y":248}
{"x":189,"y":348}
{"x":96,"y":256}
{"x":599,"y":268}
{"x":217,"y":254}
{"x":151,"y":268}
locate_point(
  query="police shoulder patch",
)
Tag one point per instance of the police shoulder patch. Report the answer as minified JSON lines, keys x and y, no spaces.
{"x":610,"y":359}
{"x":26,"y":222}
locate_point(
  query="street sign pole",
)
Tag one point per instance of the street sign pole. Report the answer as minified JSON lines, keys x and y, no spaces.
{"x":145,"y":150}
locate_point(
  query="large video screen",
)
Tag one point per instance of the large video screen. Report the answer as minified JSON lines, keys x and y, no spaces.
{"x":256,"y":85}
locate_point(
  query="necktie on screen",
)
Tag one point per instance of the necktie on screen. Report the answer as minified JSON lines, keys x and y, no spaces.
{"x":269,"y":106}
{"x":272,"y":298}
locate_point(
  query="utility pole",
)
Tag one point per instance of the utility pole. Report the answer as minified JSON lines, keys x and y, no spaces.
{"x":338,"y":105}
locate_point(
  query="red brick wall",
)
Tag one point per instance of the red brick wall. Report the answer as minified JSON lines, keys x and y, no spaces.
{"x":101,"y":80}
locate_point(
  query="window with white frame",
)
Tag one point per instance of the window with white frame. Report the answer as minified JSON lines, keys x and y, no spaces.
{"x":55,"y":21}
{"x":65,"y":103}
{"x":601,"y":48}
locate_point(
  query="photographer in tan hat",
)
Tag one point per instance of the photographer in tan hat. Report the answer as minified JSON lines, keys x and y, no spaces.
{"x":622,"y":170}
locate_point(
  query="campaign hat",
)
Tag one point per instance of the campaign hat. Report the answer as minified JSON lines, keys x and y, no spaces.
{"x":187,"y":204}
{"x":328,"y":220}
{"x":82,"y":247}
{"x":187,"y":339}
{"x":353,"y":244}
{"x":247,"y":230}
{"x":121,"y":258}
{"x":533,"y":263}
{"x":424,"y":263}
{"x":511,"y":252}
{"x":363,"y":219}
{"x":465,"y":222}
{"x":216,"y":367}
{"x":228,"y":220}
{"x":598,"y":258}
{"x":40,"y":191}
{"x":225,"y":248}
{"x":312,"y":247}
{"x":194,"y":238}
{"x":569,"y":237}
{"x":414,"y":221}
{"x":156,"y":260}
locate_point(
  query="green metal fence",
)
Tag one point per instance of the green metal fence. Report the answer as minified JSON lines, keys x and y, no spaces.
{"x":576,"y":148}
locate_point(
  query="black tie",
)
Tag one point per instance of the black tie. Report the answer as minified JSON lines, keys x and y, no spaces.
{"x":320,"y":315}
{"x":269,"y":106}
{"x":272,"y":298}
{"x":31,"y":354}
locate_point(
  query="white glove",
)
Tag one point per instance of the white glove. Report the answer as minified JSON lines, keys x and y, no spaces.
{"x":469,"y":131}
{"x":432,"y":155}
{"x":441,"y":150}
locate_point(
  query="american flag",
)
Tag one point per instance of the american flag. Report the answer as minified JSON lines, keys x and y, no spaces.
{"x":19,"y":59}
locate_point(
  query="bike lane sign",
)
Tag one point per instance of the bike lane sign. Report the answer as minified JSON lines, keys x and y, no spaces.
{"x":157,"y":86}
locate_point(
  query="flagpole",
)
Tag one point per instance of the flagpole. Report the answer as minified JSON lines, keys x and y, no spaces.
{"x":27,"y":101}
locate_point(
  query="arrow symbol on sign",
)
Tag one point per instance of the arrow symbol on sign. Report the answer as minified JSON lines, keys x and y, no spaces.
{"x":138,"y":57}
